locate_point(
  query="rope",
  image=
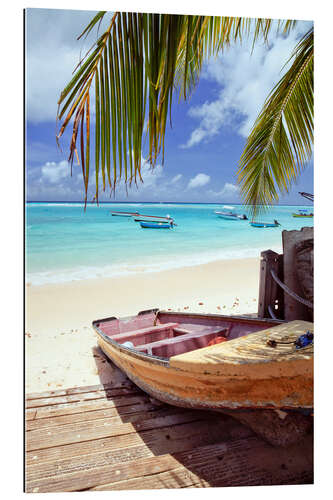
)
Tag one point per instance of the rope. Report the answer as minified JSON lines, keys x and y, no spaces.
{"x":294,"y":295}
{"x":270,"y":310}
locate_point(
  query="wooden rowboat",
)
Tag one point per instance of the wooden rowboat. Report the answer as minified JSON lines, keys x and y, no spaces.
{"x":212,"y":361}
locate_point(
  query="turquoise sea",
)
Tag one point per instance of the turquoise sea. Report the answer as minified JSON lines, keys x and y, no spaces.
{"x":64,"y":243}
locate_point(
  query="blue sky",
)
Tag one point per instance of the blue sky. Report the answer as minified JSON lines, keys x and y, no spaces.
{"x":209,"y":131}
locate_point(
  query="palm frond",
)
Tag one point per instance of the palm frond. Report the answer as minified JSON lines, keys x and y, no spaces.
{"x":134,"y":68}
{"x":281,"y":140}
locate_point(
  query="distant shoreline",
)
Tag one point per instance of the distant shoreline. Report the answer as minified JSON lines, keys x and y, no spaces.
{"x":161,"y":203}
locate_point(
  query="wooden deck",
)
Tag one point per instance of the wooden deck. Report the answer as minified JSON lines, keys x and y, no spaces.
{"x":114,"y":437}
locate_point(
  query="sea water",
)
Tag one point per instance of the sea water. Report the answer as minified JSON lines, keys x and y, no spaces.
{"x":65,"y":243}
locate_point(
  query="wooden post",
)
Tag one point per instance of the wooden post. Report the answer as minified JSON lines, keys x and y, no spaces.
{"x":292,"y":308}
{"x":267,"y":287}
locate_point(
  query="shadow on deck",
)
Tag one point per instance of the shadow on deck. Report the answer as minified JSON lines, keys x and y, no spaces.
{"x":115,"y":437}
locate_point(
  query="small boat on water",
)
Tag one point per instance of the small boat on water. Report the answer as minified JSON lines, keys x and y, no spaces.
{"x":210,"y":361}
{"x":229,"y":215}
{"x":152,"y":218}
{"x":303,"y":213}
{"x":265,"y":224}
{"x":157,"y":225}
{"x":124,"y":214}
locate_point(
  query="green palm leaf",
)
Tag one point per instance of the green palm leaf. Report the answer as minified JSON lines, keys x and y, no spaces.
{"x":281,"y":140}
{"x":135,"y":67}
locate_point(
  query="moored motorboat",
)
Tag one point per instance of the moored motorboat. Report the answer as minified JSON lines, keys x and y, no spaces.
{"x":229,"y":215}
{"x":209,"y":361}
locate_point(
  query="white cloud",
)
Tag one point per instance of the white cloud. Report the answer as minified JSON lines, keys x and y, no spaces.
{"x":245,"y":81}
{"x":52,"y":172}
{"x":198,"y":181}
{"x":176,"y":178}
{"x":229,"y":188}
{"x":229,"y":192}
{"x":52,"y":52}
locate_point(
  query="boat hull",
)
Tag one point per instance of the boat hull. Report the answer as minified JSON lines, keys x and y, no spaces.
{"x":155,"y":225}
{"x":262,"y":224}
{"x":202,"y":379}
{"x":228,"y":217}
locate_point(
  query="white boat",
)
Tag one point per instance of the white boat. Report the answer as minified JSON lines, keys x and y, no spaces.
{"x":230,"y":215}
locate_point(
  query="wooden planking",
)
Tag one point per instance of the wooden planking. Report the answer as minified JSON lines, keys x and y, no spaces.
{"x":57,"y":420}
{"x":159,"y":440}
{"x":79,"y":390}
{"x":86,"y":431}
{"x":83,"y":406}
{"x":135,"y":441}
{"x":73,"y":398}
{"x":237,"y":463}
{"x":222,"y":464}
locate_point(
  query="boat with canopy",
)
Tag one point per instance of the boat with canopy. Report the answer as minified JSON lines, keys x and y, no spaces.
{"x":229,"y":215}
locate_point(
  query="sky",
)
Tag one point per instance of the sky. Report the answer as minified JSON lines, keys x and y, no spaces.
{"x":209,"y":130}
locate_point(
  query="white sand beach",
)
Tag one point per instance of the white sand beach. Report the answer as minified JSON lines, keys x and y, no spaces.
{"x":61,"y":346}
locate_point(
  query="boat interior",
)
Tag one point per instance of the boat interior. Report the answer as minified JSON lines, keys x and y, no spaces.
{"x":165,"y":334}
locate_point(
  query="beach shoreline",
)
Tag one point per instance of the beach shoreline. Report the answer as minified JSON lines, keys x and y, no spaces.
{"x":60,"y":343}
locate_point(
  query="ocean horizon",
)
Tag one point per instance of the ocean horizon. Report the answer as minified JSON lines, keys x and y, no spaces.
{"x":65,"y":243}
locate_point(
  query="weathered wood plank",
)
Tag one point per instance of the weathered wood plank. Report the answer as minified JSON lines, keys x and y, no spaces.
{"x":292,"y":308}
{"x":87,"y":431}
{"x":223,"y":464}
{"x":160,"y":441}
{"x":82,"y":406}
{"x":237,"y":463}
{"x":181,"y":438}
{"x":138,"y":408}
{"x":86,"y":396}
{"x":177,"y":478}
{"x":269,"y":260}
{"x":78,"y":390}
